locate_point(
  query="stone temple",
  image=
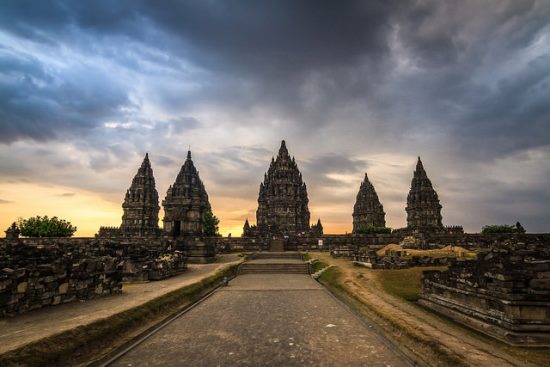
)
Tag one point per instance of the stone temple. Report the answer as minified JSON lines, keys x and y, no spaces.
{"x":368,"y":211}
{"x":423,"y":207}
{"x":283,"y":201}
{"x":186,"y":203}
{"x":141,"y":203}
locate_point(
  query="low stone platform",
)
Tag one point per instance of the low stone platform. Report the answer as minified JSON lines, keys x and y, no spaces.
{"x":504,"y":293}
{"x":266,"y":320}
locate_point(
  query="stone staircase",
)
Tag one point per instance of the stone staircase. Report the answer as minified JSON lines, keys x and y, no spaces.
{"x":278,"y":255}
{"x":266,"y":268}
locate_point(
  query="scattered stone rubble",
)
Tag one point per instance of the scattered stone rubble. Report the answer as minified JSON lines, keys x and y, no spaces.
{"x":504,"y":293}
{"x":396,"y":259}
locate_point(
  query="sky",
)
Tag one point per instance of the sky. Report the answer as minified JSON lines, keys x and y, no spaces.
{"x":88,"y":87}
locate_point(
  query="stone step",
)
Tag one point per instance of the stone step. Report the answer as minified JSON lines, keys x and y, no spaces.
{"x":278,"y":255}
{"x":274,"y":268}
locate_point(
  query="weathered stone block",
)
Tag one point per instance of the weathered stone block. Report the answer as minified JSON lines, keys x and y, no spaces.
{"x":63,"y":288}
{"x":540,"y":283}
{"x":22,"y":287}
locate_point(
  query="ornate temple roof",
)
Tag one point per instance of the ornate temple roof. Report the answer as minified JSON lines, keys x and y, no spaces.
{"x":423,"y":207}
{"x":141,"y":203}
{"x":368,"y":211}
{"x":186,"y":202}
{"x":283,"y":199}
{"x":188,"y":185}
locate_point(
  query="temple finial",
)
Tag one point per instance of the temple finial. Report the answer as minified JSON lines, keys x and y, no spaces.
{"x":419,"y":165}
{"x":189,"y":153}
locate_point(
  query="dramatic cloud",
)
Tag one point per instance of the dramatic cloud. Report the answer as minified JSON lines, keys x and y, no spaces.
{"x":86,"y":88}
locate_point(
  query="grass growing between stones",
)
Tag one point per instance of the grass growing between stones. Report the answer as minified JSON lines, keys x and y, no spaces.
{"x":79,"y":344}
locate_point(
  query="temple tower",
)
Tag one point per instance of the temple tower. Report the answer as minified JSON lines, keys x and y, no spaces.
{"x":317,"y":229}
{"x":248,"y":230}
{"x":282,"y":201}
{"x":186,"y":203}
{"x":141,"y":204}
{"x":423,"y":207}
{"x":367,"y":211}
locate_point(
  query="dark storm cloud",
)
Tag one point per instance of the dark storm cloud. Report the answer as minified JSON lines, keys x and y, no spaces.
{"x":458,"y":82}
{"x":40,"y":104}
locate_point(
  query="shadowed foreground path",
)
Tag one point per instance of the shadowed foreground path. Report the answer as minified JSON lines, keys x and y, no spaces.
{"x":266,"y":320}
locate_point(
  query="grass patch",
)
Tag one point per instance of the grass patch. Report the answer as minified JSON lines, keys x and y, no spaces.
{"x":318,"y":265}
{"x":306,"y":256}
{"x":403,"y":283}
{"x":85,"y":340}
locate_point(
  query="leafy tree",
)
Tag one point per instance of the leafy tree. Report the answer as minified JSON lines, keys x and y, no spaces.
{"x":502,"y":228}
{"x":373,"y":230}
{"x":46,"y":227}
{"x":211,"y":224}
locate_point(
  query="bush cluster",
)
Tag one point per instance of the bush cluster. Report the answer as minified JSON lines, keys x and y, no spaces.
{"x":373,"y":230}
{"x":46,"y":227}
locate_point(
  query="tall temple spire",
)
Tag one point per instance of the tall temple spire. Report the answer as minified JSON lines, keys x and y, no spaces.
{"x":423,"y":207}
{"x":141,"y":203}
{"x":283,"y":151}
{"x":367,"y":211}
{"x":282,"y":201}
{"x":186,"y":202}
{"x":317,"y":229}
{"x":247,"y":229}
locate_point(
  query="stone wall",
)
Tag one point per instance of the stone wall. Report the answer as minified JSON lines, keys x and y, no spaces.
{"x":504,"y":293}
{"x":32,"y":277}
{"x":37,"y":272}
{"x":350,"y":243}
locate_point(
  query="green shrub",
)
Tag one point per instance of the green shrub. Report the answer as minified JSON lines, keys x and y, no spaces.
{"x":46,"y":227}
{"x":373,"y":230}
{"x":498,"y":228}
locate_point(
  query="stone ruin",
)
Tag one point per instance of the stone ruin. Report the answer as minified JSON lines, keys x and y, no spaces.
{"x":32,"y":277}
{"x":423,"y":207}
{"x":185,"y":205}
{"x":41,"y":272}
{"x":282,"y":201}
{"x":367,"y":211}
{"x":504,"y":293}
{"x":395,"y":259}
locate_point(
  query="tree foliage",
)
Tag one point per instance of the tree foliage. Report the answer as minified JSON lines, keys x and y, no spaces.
{"x":373,"y":230}
{"x":502,"y":228}
{"x":211,"y":224}
{"x":46,"y":227}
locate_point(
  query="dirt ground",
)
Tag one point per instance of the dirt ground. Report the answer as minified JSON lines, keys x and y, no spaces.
{"x":454,"y":340}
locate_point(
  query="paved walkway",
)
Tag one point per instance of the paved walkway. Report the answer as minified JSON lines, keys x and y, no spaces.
{"x":266,"y":320}
{"x":41,"y":323}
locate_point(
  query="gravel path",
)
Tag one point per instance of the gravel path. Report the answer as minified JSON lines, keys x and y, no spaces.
{"x":266,"y":320}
